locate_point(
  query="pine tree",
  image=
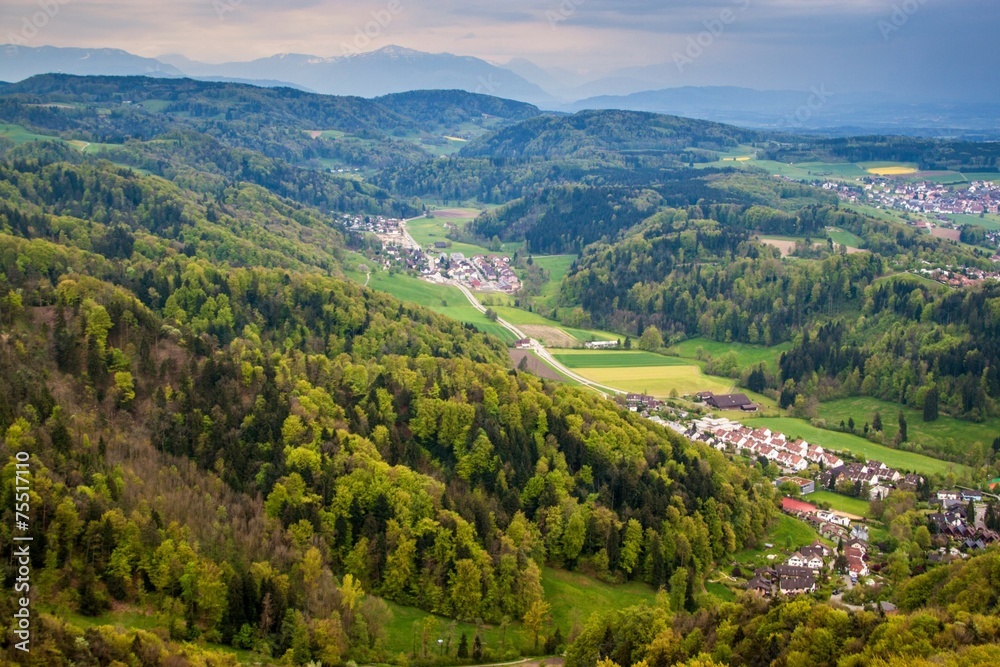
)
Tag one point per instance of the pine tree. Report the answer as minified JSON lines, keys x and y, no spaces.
{"x":877,"y":422}
{"x":463,"y":647}
{"x":902,"y":427}
{"x":931,"y":404}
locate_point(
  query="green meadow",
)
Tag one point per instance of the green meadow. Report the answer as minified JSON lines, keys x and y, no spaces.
{"x":931,"y":436}
{"x":855,"y":506}
{"x":746,"y":355}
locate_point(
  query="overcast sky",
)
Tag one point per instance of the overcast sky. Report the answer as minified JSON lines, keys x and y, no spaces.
{"x":943,"y":46}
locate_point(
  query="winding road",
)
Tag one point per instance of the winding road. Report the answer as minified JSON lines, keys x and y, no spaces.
{"x":539,"y":349}
{"x":536,"y":346}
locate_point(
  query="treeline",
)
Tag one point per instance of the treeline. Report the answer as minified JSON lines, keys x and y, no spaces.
{"x":929,"y":154}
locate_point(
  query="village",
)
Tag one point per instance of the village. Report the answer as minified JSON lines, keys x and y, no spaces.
{"x":933,"y":200}
{"x":482,"y":273}
{"x":955,"y":517}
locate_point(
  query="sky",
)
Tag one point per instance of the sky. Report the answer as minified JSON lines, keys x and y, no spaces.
{"x":934,"y":46}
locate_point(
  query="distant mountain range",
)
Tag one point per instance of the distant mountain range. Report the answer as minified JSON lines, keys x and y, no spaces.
{"x":394,"y":69}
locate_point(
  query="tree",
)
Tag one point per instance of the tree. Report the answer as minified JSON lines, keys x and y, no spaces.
{"x":877,"y":422}
{"x":477,"y":649}
{"x":463,"y":647}
{"x":651,"y":339}
{"x":850,"y":424}
{"x":902,"y":427}
{"x":931,"y":404}
{"x":536,"y":617}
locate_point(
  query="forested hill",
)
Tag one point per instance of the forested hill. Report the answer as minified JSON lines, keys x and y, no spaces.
{"x":449,"y":108}
{"x":608,"y":135}
{"x":227,"y":438}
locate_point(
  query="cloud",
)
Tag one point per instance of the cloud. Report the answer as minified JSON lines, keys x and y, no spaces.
{"x":941,"y":44}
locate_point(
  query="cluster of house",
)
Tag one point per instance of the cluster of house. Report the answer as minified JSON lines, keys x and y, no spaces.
{"x":798,"y":575}
{"x":954,"y":522}
{"x":872,"y":479}
{"x":641,"y":403}
{"x":831,"y":524}
{"x":791,"y":456}
{"x":962,"y":277}
{"x":924,"y":197}
{"x":485,"y":273}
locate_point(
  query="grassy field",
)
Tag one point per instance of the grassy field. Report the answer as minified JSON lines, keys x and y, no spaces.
{"x":844,"y":237}
{"x":845,"y":442}
{"x":574,"y":597}
{"x":427,"y":231}
{"x":558,"y":267}
{"x":443,"y":299}
{"x":889,"y":168}
{"x":19,"y":135}
{"x":786,"y":534}
{"x":403,"y":631}
{"x":813,"y":170}
{"x":643,"y":372}
{"x":840,"y":503}
{"x":989,"y":221}
{"x":931,"y":435}
{"x":746,"y":355}
{"x":616,"y":359}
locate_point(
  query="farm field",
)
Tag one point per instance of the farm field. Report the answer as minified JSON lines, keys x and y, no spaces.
{"x":648,"y":373}
{"x":569,"y":337}
{"x":889,"y":168}
{"x":813,"y":170}
{"x":855,"y":506}
{"x":616,"y":359}
{"x":845,"y":442}
{"x":746,"y":355}
{"x":931,"y":435}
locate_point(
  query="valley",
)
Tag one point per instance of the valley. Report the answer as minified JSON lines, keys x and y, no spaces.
{"x":301,"y":383}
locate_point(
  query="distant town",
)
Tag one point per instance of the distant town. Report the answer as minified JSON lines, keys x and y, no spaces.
{"x":927,"y":198}
{"x":482,"y":273}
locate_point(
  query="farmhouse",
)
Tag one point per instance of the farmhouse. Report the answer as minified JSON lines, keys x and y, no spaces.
{"x":729,"y":401}
{"x":523,"y":344}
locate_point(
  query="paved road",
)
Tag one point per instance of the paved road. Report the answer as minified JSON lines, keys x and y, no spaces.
{"x":539,"y":349}
{"x":536,"y":347}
